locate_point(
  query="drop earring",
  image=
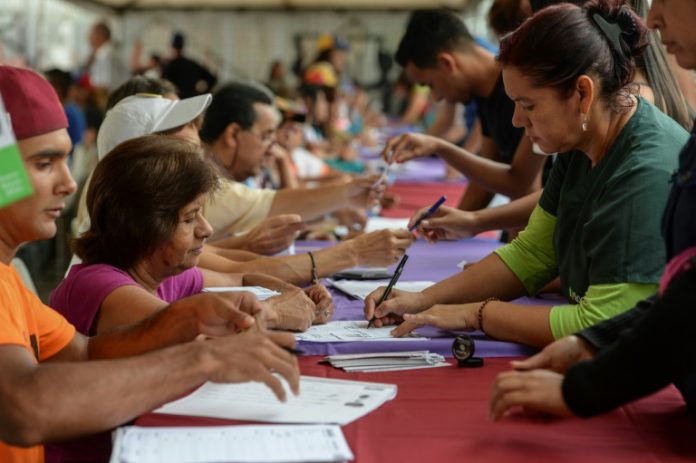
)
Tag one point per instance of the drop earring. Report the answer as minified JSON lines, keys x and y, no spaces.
{"x":584,"y":124}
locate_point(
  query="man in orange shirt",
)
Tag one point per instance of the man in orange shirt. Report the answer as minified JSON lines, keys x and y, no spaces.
{"x":58,"y":384}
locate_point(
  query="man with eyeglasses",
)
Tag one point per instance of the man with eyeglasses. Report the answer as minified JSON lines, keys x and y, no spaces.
{"x":239,"y":128}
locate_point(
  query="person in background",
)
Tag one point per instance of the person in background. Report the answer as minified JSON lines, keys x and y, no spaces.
{"x":58,"y":384}
{"x":596,"y":225}
{"x":105,"y":68}
{"x":458,"y":69}
{"x":190,"y":77}
{"x":61,"y":81}
{"x":607,"y":365}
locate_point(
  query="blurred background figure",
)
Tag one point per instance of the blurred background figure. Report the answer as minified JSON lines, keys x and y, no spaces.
{"x":190,"y":77}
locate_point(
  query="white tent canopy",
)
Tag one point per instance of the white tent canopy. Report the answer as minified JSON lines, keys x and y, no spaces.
{"x":277,"y":4}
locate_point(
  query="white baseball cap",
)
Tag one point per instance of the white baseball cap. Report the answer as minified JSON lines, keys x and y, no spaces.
{"x":143,"y":114}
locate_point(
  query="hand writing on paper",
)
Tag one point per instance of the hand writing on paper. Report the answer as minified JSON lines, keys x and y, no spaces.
{"x":447,"y":223}
{"x":443,"y":316}
{"x":536,"y":390}
{"x":409,"y":146}
{"x":557,"y":356}
{"x":398,"y":303}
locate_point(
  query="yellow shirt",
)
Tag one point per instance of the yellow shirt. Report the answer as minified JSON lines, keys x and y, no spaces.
{"x":236,"y":208}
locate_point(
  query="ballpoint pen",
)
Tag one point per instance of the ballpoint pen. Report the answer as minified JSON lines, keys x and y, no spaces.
{"x":428,"y":213}
{"x":390,"y":286}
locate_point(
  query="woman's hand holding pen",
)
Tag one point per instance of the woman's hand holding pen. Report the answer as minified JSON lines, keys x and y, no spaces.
{"x":447,"y":223}
{"x":391,"y":310}
{"x":410,"y":146}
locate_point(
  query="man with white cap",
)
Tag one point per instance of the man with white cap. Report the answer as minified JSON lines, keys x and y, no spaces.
{"x":51,"y":387}
{"x":144,"y":114}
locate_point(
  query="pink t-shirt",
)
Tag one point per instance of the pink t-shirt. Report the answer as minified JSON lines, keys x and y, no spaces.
{"x":79,"y":298}
{"x":81,"y":294}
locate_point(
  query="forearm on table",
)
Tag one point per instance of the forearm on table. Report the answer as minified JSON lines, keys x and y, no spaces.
{"x":309,"y":203}
{"x":517,"y":323}
{"x":488,"y":278}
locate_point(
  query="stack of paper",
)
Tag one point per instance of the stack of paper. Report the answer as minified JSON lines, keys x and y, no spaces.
{"x":260,"y":292}
{"x":387,"y":361}
{"x":321,"y":400}
{"x":352,"y":331}
{"x":249,"y":444}
{"x":361,"y":289}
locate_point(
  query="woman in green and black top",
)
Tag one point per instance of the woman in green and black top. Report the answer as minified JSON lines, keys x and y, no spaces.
{"x":597,"y":224}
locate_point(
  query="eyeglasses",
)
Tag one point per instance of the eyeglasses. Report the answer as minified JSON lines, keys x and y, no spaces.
{"x":266,"y":137}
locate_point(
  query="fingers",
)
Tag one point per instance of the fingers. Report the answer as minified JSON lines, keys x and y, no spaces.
{"x":540,"y":360}
{"x":371,"y":301}
{"x":415,"y":217}
{"x":287,"y":368}
{"x":411,"y":322}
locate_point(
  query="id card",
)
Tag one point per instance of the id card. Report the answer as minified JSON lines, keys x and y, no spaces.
{"x":14,"y":182}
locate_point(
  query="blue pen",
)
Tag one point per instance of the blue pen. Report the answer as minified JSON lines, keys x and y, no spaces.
{"x":429,"y":212}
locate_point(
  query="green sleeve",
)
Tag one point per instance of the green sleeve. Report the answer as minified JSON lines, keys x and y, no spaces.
{"x":600,"y":302}
{"x":531,"y":256}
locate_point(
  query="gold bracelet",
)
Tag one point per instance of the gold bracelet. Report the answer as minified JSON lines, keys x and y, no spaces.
{"x":315,"y":276}
{"x":479,"y":314}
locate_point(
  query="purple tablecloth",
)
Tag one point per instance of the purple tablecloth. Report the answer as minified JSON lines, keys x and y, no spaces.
{"x":426,"y":262}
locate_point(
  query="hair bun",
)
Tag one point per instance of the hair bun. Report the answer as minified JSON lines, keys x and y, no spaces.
{"x":630,"y":32}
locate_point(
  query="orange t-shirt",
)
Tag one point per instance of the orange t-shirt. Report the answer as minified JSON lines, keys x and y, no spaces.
{"x":26,"y":321}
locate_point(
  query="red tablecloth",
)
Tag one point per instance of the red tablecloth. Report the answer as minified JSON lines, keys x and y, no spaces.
{"x":440,"y":415}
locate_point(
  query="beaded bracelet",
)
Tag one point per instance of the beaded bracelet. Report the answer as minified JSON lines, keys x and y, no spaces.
{"x":479,"y":314}
{"x":315,"y":276}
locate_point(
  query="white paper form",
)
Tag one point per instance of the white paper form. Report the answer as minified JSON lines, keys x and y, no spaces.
{"x":249,"y":444}
{"x":352,"y":331}
{"x":361,"y":289}
{"x":321,"y":400}
{"x":384,"y":223}
{"x":260,"y":292}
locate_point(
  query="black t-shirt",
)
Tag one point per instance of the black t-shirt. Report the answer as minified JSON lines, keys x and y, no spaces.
{"x":190,"y":78}
{"x":495,"y":112}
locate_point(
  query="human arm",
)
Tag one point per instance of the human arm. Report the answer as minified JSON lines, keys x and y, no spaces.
{"x":448,"y":223}
{"x":312,"y":203}
{"x":67,"y":397}
{"x":274,"y":234}
{"x":628,"y":369}
{"x":488,"y":278}
{"x":520,"y":178}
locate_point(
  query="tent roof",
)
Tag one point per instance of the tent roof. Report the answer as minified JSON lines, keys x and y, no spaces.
{"x":276,"y":4}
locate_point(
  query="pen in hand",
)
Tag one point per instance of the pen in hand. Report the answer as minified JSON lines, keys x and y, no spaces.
{"x":428,"y":213}
{"x":390,"y":286}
